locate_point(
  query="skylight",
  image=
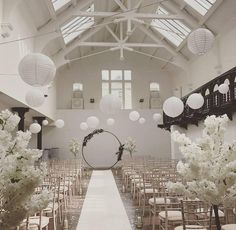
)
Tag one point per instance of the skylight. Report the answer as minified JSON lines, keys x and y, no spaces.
{"x":58,"y":4}
{"x":77,"y":26}
{"x":172,"y":29}
{"x":201,"y":6}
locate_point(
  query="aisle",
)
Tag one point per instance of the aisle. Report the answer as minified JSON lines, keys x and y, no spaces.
{"x":103,"y":208}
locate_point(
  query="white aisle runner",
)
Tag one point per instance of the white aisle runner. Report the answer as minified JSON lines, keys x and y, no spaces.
{"x":103,"y":208}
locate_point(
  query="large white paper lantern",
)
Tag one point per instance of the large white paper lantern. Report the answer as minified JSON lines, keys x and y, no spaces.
{"x":92,"y":122}
{"x":59,"y":123}
{"x":83,"y":126}
{"x":34,"y":98}
{"x":142,"y":120}
{"x":37,"y":69}
{"x":223,"y":88}
{"x":110,"y":121}
{"x":156,"y":117}
{"x":35,"y":128}
{"x":195,"y":101}
{"x":134,"y":116}
{"x":110,"y":104}
{"x":173,"y":107}
{"x":45,"y":122}
{"x":200,"y":41}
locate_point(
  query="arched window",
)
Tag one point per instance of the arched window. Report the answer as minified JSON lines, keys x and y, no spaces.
{"x":154,"y":86}
{"x":207,"y":92}
{"x":215,"y":88}
{"x":77,"y":87}
{"x":227,"y":81}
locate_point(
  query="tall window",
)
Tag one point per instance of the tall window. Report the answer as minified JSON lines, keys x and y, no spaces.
{"x":118,"y":83}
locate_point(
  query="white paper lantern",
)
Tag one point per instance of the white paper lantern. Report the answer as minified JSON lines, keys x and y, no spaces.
{"x":223,"y":88}
{"x":195,"y":101}
{"x":45,"y":122}
{"x":92,"y":122}
{"x":200,"y":41}
{"x":157,"y":117}
{"x":35,"y":128}
{"x":37,"y":69}
{"x":34,"y":98}
{"x":59,"y":123}
{"x":110,"y":104}
{"x":110,"y":121}
{"x":142,"y":120}
{"x":173,"y":107}
{"x":134,"y":115}
{"x":83,"y":126}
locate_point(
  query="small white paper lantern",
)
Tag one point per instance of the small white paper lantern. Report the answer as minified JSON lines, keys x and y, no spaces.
{"x":223,"y":88}
{"x":195,"y":101}
{"x":83,"y":126}
{"x":34,"y":98}
{"x":92,"y":122}
{"x":110,"y":104}
{"x":157,"y":117}
{"x":37,"y":69}
{"x":134,"y":115}
{"x":45,"y":122}
{"x":142,"y":120}
{"x":200,"y":41}
{"x":173,"y":107}
{"x":35,"y":128}
{"x":110,"y":121}
{"x":59,"y":123}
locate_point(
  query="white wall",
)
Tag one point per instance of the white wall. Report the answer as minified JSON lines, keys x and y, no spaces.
{"x":150,"y":139}
{"x":88,"y":72}
{"x":11,"y":54}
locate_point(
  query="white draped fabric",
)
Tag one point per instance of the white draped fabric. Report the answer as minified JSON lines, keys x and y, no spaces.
{"x":103,"y":208}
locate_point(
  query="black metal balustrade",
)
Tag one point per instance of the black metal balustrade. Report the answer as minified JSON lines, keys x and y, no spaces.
{"x":214,"y":102}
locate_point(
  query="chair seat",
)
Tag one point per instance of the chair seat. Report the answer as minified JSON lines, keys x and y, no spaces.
{"x":141,"y":185}
{"x":172,"y":215}
{"x":159,"y":200}
{"x":191,"y":227}
{"x":221,"y":214}
{"x":148,"y":190}
{"x":34,"y":222}
{"x":228,"y":227}
{"x":50,"y":207}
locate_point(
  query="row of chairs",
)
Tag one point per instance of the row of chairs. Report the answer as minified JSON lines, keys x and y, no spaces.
{"x":63,"y":180}
{"x":146,"y":179}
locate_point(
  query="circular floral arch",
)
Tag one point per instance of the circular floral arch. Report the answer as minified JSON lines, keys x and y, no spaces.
{"x":119,"y":153}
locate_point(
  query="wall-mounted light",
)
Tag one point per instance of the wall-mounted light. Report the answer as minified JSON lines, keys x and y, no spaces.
{"x":141,"y":100}
{"x":92,"y":100}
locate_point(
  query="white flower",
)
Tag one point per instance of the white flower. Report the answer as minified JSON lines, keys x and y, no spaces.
{"x":74,"y":147}
{"x":209,"y":165}
{"x":130,"y":145}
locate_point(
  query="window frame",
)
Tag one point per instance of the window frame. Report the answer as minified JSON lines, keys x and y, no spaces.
{"x":123,"y":83}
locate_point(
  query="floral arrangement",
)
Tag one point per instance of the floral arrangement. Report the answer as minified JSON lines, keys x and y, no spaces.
{"x":209,"y":166}
{"x":130,"y":146}
{"x":74,"y":146}
{"x":19,"y":177}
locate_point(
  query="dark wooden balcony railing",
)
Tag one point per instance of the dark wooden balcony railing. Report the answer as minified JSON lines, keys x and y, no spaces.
{"x":214,"y":102}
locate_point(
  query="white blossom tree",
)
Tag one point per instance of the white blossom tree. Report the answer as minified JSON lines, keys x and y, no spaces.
{"x":209,"y":166}
{"x":18,"y":175}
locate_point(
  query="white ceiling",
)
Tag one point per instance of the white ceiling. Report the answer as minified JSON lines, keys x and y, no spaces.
{"x":46,"y":19}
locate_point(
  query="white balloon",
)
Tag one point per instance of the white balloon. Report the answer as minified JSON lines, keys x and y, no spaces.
{"x":35,"y":128}
{"x":142,"y":120}
{"x":45,"y":122}
{"x":34,"y":98}
{"x":157,"y":117}
{"x":195,"y":101}
{"x":134,"y":115}
{"x":59,"y":123}
{"x":110,"y":121}
{"x":92,"y":122}
{"x":110,"y":104}
{"x":223,"y":88}
{"x":37,"y":69}
{"x":173,"y":107}
{"x":83,"y":126}
{"x":200,"y":41}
